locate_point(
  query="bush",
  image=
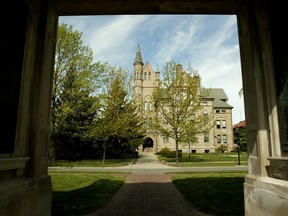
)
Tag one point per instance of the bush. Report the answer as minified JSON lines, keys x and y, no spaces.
{"x":222,"y":148}
{"x":166,"y":152}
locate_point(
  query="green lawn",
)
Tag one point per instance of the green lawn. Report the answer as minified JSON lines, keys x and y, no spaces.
{"x":82,"y":193}
{"x":91,"y":163}
{"x":195,"y":160}
{"x":217,"y":193}
{"x":211,"y":159}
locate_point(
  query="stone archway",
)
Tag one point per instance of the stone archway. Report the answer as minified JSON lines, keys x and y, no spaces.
{"x":267,"y":178}
{"x":148,"y":144}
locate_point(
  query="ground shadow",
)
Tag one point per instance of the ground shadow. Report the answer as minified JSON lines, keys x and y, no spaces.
{"x":215,"y":195}
{"x":84,"y":200}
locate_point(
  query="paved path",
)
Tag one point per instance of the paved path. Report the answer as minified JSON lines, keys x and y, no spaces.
{"x":148,"y":193}
{"x":147,"y":190}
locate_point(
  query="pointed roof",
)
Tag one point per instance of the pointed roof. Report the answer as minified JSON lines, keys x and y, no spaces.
{"x":138,"y":57}
{"x":148,"y":67}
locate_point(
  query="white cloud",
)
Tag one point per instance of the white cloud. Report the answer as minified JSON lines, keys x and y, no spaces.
{"x":209,"y":43}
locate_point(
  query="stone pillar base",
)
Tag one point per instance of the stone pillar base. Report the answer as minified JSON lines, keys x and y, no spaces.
{"x":265,"y":196}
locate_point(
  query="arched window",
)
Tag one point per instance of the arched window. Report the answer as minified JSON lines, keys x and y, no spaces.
{"x":149,"y":76}
{"x":145,"y":76}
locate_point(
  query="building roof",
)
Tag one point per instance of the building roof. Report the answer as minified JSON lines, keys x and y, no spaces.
{"x":138,"y":57}
{"x":241,"y":124}
{"x":220,"y":98}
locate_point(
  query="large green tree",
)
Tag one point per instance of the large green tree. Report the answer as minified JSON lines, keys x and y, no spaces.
{"x":118,"y":126}
{"x":74,"y":101}
{"x":178,"y":102}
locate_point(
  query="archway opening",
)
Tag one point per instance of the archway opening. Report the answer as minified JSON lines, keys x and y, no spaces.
{"x":148,"y":144}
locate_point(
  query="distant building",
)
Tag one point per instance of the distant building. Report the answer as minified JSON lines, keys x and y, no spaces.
{"x":241,"y":124}
{"x":216,"y":104}
{"x":240,"y":135}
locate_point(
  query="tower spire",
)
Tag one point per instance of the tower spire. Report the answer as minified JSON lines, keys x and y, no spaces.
{"x":138,"y":57}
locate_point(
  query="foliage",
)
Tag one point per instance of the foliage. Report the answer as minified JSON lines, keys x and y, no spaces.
{"x":240,"y":138}
{"x":118,"y":126}
{"x":74,"y":102}
{"x":178,"y":100}
{"x":166,"y":152}
{"x":222,"y":148}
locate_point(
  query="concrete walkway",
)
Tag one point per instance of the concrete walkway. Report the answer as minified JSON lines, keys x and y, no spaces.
{"x":148,"y":163}
{"x":148,"y":193}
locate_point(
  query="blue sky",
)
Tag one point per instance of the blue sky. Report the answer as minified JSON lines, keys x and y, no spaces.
{"x":208,"y":42}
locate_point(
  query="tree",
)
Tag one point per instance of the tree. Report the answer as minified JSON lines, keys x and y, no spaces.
{"x":118,"y":125}
{"x":74,"y":103}
{"x":240,"y":137}
{"x":178,"y":100}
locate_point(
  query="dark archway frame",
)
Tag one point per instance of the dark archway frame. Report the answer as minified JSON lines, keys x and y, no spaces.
{"x":267,"y":177}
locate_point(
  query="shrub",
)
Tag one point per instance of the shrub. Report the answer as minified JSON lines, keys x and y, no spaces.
{"x":222,"y":148}
{"x":164,"y":152}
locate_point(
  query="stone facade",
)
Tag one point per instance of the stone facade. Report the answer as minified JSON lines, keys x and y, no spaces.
{"x":215,"y":104}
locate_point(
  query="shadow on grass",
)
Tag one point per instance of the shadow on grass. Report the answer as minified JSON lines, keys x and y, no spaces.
{"x":215,"y":195}
{"x":84,"y":200}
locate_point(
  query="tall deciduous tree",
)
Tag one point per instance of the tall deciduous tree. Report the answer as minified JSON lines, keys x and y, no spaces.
{"x":178,"y":100}
{"x":119,"y":124}
{"x":74,"y":104}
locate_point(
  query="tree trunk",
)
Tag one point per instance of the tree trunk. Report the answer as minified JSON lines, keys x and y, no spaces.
{"x":104,"y":152}
{"x":177,"y":156}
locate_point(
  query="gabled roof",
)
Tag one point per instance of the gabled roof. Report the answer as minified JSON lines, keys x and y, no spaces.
{"x":220,"y":98}
{"x":217,"y":93}
{"x":148,"y":67}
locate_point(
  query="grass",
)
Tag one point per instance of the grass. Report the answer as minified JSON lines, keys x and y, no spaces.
{"x":206,"y":164}
{"x":195,"y":160}
{"x":217,"y":193}
{"x":211,"y":159}
{"x":91,"y":163}
{"x":82,"y":193}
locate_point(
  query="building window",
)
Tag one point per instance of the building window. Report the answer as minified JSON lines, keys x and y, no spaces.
{"x":205,"y":116}
{"x":145,"y":76}
{"x":207,"y":151}
{"x":205,"y":103}
{"x":223,"y":111}
{"x":165,"y":139}
{"x":223,"y":123}
{"x":206,"y":137}
{"x":224,"y":138}
{"x":218,"y":138}
{"x":193,"y":151}
{"x":146,"y":106}
{"x":149,"y":76}
{"x":218,"y":124}
{"x":217,"y":111}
